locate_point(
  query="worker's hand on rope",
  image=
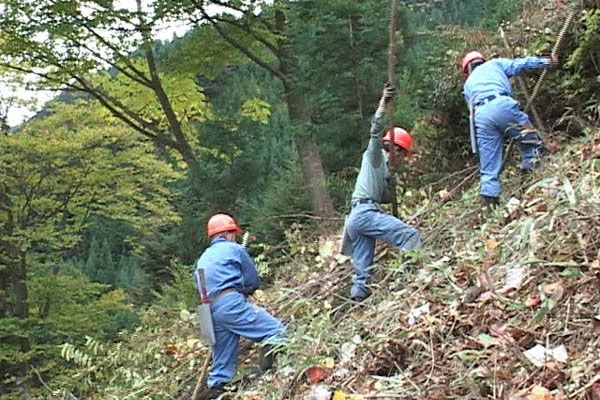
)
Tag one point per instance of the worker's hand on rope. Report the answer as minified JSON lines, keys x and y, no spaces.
{"x":392,"y":180}
{"x":553,"y":61}
{"x":389,"y":91}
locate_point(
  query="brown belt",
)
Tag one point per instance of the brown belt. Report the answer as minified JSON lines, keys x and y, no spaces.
{"x":222,"y":293}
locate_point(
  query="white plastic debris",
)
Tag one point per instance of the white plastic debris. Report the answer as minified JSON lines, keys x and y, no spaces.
{"x":318,"y":392}
{"x":416,"y":313}
{"x":539,"y":355}
{"x":425,"y":276}
{"x":513,"y":204}
{"x":515,"y":278}
{"x":347,"y":352}
{"x":536,"y":355}
{"x":560,"y":354}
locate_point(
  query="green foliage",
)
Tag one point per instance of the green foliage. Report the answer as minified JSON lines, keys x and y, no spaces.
{"x":340,"y":69}
{"x":63,"y":307}
{"x":588,"y":44}
{"x":78,"y":185}
{"x":486,"y":14}
{"x":149,"y":362}
{"x":282,"y":198}
{"x":99,"y":265}
{"x":58,"y":173}
{"x":581,"y":83}
{"x":180,"y":293}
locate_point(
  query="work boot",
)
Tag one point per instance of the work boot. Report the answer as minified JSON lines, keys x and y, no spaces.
{"x":267,"y":357}
{"x":215,"y":392}
{"x":358,"y":293}
{"x":489,"y":202}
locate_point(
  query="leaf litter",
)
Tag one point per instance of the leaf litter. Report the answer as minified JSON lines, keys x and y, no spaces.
{"x":529,"y":331}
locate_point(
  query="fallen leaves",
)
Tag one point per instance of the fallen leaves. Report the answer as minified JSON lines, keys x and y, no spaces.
{"x":321,"y":371}
{"x":554,"y":291}
{"x":530,"y":283}
{"x":491,"y":244}
{"x":540,"y":393}
{"x":317,"y":374}
{"x":593,"y":392}
{"x":533,"y":301}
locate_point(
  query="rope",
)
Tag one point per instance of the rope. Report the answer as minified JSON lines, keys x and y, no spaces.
{"x":391,"y":107}
{"x":542,"y":129}
{"x":200,"y":387}
{"x":553,"y":55}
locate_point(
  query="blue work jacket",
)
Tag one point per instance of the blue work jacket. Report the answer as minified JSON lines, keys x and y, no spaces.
{"x":492,"y":77}
{"x":227,"y":265}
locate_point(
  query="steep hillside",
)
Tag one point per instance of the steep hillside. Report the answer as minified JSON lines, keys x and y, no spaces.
{"x":464,"y":318}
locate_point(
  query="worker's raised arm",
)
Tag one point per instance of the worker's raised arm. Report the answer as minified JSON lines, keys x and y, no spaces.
{"x":378,"y":121}
{"x":517,"y":66}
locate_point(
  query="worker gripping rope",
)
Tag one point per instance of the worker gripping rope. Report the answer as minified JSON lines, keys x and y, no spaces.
{"x":231,"y":277}
{"x":366,"y":221}
{"x":495,"y":114}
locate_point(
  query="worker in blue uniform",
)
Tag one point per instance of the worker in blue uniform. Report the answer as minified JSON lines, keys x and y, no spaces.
{"x":366,"y":221}
{"x":497,"y":115}
{"x":231,"y":277}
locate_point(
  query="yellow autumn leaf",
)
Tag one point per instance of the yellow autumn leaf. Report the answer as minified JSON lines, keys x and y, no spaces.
{"x":327,"y":362}
{"x":540,"y":393}
{"x":491,"y":244}
{"x":339,"y":395}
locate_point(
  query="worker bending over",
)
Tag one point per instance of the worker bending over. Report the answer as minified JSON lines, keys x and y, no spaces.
{"x":230,"y":278}
{"x":496,"y":115}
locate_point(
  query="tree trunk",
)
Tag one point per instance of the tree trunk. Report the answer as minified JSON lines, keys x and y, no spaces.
{"x":19,"y":281}
{"x":314,"y":176}
{"x":310,"y":160}
{"x":312,"y":167}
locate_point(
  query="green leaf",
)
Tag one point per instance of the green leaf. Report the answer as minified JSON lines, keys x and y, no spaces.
{"x":487,"y":339}
{"x":571,"y":272}
{"x":568,"y":188}
{"x":469,"y":355}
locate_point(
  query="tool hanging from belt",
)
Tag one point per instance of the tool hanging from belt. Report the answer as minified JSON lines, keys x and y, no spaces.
{"x":203,"y":315}
{"x":472,"y":134}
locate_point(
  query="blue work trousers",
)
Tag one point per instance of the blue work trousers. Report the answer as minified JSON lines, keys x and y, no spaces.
{"x":233,"y":316}
{"x":366,"y":223}
{"x":494,"y":121}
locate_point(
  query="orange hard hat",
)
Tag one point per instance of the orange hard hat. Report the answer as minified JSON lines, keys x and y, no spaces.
{"x":469,"y":58}
{"x":401,"y":138}
{"x":220,"y":223}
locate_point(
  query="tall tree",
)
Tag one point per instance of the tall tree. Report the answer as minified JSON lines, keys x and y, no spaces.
{"x":57,"y":174}
{"x":259,"y":30}
{"x":66,"y":44}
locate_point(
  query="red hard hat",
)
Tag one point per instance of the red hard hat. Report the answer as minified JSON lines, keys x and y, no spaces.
{"x":220,"y":223}
{"x":469,"y":58}
{"x":401,"y":138}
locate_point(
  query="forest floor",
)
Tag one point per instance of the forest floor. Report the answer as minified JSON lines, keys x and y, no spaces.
{"x":501,"y":304}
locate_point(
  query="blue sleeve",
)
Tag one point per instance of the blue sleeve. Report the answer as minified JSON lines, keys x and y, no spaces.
{"x":250,"y":278}
{"x":374,"y":148}
{"x":513,"y":67}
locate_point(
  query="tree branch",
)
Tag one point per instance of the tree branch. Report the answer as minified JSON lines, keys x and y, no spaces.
{"x":143,"y":78}
{"x":234,"y":43}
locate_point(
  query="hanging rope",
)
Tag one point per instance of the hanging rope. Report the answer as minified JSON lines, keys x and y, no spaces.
{"x":540,"y":125}
{"x":391,"y":107}
{"x":553,"y":55}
